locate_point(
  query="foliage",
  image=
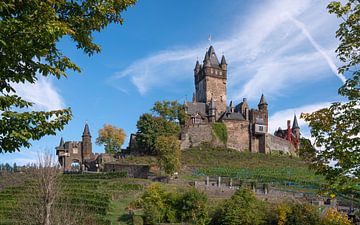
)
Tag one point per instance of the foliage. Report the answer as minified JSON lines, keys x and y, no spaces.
{"x":161,"y":206}
{"x":334,"y":217}
{"x":168,"y":149}
{"x":307,"y":151}
{"x":30,"y":31}
{"x":297,"y":214}
{"x":170,"y":110}
{"x":243,"y":208}
{"x":336,"y":128}
{"x":220,"y":131}
{"x":150,"y":128}
{"x":112,"y":137}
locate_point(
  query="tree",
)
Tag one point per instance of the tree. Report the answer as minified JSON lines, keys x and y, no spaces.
{"x":30,"y":31}
{"x":307,"y":151}
{"x":336,"y":128}
{"x":112,"y":137}
{"x":291,"y":213}
{"x":168,"y":150}
{"x":243,"y":208}
{"x":170,"y":110}
{"x":150,"y":128}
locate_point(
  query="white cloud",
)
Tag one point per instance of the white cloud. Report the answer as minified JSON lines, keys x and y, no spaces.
{"x":272,"y":45}
{"x":42,"y":93}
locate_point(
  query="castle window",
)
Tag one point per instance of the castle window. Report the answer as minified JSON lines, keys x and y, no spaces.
{"x":75,"y":151}
{"x":212,"y":70}
{"x":220,"y":73}
{"x":216,"y":72}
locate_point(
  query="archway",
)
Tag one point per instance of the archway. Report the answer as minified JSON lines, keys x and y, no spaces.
{"x":75,"y":165}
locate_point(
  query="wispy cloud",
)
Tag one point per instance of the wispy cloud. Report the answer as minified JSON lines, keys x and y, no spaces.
{"x":43,"y":94}
{"x":266,"y":48}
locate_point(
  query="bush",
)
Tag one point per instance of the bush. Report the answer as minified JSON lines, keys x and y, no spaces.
{"x":137,"y":220}
{"x":242,"y":208}
{"x":174,"y":207}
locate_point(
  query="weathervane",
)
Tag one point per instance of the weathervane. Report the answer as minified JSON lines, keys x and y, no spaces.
{"x":209,"y":39}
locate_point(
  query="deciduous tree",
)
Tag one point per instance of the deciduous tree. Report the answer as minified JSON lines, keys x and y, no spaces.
{"x":150,"y":128}
{"x":336,"y":129}
{"x":29,"y":34}
{"x":111,"y":137}
{"x":169,"y":153}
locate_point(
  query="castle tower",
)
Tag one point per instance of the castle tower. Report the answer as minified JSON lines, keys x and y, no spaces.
{"x":210,"y":80}
{"x":86,"y":145}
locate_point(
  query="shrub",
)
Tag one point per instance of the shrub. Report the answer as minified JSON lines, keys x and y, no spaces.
{"x":220,"y":131}
{"x":334,"y":217}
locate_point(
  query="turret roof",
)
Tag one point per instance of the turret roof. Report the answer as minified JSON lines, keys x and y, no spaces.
{"x":262,"y":100}
{"x":295,"y":123}
{"x":86,"y":130}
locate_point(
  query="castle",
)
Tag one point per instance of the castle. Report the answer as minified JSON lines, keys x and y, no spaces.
{"x":76,"y":155}
{"x":247,"y":128}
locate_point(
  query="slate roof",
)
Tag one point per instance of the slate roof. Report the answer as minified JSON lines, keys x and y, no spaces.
{"x":295,"y":123}
{"x":196,"y":107}
{"x":210,"y":55}
{"x":232,"y":116}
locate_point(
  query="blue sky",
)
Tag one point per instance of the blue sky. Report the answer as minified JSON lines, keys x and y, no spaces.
{"x":282,"y":48}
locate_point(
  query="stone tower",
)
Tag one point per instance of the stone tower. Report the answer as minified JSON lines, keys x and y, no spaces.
{"x":210,"y":81}
{"x":296,"y":132}
{"x":86,"y":143}
{"x":263,"y":108}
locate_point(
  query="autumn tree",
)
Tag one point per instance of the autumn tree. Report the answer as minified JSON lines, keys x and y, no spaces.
{"x":336,"y":129}
{"x":29,"y":35}
{"x":168,"y":153}
{"x":111,"y":137}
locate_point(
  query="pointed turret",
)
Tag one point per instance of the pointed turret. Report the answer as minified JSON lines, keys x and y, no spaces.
{"x":197,"y":67}
{"x":194,"y":97}
{"x":295,"y":123}
{"x":86,"y":130}
{"x":262,"y":104}
{"x":86,"y":145}
{"x":61,"y":142}
{"x":207,"y":60}
{"x":262,"y":100}
{"x":214,"y":61}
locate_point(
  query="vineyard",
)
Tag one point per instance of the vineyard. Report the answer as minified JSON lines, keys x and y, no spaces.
{"x":102,"y":197}
{"x":245,"y":165}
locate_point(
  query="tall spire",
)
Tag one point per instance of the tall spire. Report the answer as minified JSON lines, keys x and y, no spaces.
{"x":262,"y":100}
{"x":197,"y":65}
{"x":86,"y":130}
{"x":295,"y":123}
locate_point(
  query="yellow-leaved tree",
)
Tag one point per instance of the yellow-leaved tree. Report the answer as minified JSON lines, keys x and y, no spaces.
{"x":111,"y":137}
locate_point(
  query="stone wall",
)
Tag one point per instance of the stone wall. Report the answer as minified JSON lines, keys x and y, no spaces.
{"x":135,"y":171}
{"x":216,"y":89}
{"x":195,"y":135}
{"x":273,"y":143}
{"x":238,"y":134}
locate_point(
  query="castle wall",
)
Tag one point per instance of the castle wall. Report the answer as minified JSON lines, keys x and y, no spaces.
{"x":193,"y":136}
{"x":273,"y":143}
{"x":238,"y":134}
